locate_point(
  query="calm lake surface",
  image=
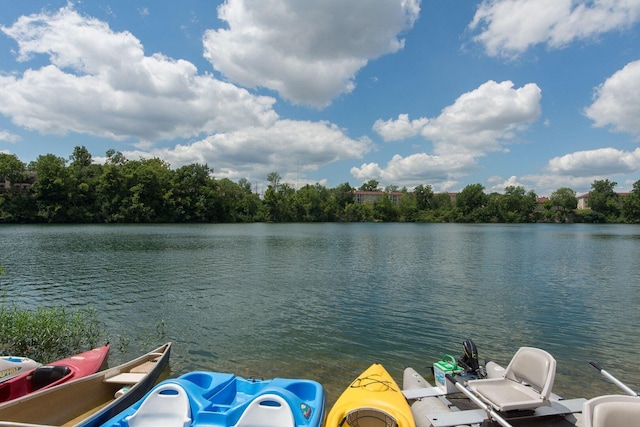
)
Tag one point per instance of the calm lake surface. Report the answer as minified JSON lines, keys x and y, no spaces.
{"x":324,"y":301}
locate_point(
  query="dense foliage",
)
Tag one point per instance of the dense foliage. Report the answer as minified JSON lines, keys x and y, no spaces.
{"x":47,"y":334}
{"x":78,"y":190}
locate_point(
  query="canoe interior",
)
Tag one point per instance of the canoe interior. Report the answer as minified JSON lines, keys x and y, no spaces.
{"x":72,"y":402}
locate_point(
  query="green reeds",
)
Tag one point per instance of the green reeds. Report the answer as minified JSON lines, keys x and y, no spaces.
{"x":46,"y":334}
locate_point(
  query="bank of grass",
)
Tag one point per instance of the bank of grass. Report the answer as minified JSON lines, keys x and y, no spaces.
{"x":46,"y":334}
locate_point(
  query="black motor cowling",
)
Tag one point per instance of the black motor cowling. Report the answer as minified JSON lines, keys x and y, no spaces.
{"x":470,"y":361}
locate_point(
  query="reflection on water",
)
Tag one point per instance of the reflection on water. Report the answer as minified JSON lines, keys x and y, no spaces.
{"x":323,"y":301}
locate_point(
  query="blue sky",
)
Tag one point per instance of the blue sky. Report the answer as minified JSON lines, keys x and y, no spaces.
{"x":538,"y":93}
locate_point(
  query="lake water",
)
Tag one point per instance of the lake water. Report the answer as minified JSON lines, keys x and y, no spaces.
{"x":324,"y":301}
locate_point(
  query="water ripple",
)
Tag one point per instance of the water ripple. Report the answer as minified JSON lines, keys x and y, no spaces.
{"x":324,"y":301}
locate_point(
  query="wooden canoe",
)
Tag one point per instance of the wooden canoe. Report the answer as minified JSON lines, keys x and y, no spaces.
{"x":58,"y":372}
{"x":373,"y":399}
{"x":89,"y":401}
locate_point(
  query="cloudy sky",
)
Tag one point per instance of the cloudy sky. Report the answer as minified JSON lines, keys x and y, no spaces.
{"x":538,"y":93}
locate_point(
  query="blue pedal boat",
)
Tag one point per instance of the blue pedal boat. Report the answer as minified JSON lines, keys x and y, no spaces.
{"x":221,"y":399}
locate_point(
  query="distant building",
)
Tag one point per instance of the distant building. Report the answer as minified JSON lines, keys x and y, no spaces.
{"x":19,"y":187}
{"x":583,"y":200}
{"x":370,"y":197}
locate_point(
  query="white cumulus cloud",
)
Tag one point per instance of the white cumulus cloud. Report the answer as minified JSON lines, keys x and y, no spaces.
{"x":402,"y":128}
{"x":254,"y":152}
{"x":617,"y":101}
{"x":309,"y":52}
{"x":7,"y":136}
{"x":100,"y":82}
{"x":510,"y":27}
{"x":479,"y":121}
{"x":483,"y":120}
{"x":603,"y":161}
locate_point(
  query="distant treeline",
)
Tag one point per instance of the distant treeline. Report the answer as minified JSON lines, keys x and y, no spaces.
{"x":76,"y":190}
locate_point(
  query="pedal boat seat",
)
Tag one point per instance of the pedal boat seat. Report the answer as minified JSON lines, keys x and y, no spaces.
{"x":267,"y":410}
{"x":166,"y":406}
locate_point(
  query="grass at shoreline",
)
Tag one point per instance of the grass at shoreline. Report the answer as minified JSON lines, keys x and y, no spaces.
{"x":47,"y":334}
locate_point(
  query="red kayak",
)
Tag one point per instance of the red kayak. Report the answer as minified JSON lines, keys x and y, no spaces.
{"x":55,"y":373}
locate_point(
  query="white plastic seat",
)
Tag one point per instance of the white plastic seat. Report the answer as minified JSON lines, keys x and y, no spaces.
{"x":166,"y":406}
{"x":525,"y":384}
{"x":267,"y":410}
{"x":611,"y":411}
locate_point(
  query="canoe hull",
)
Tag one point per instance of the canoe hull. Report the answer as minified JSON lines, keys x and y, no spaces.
{"x":89,"y":400}
{"x":376,"y":390}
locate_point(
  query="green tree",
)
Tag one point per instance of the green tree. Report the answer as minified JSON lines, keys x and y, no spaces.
{"x":309,"y":203}
{"x":407,"y":207}
{"x":564,"y":199}
{"x":278,"y":203}
{"x":470,"y":200}
{"x":11,"y":168}
{"x":356,"y":212}
{"x":519,"y":205}
{"x":249,"y":206}
{"x":423,"y":196}
{"x":52,"y":189}
{"x":631,"y":205}
{"x":343,"y":195}
{"x":115,"y":157}
{"x":15,"y":206}
{"x":603,"y":199}
{"x":192,"y":196}
{"x":274,"y":180}
{"x":384,"y":209}
{"x":147,"y":182}
{"x":111,"y":193}
{"x":371,"y":185}
{"x":495,"y":209}
{"x":85,"y":177}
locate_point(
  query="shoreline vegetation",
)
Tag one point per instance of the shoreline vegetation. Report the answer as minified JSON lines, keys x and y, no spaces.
{"x":47,"y":334}
{"x":52,"y":189}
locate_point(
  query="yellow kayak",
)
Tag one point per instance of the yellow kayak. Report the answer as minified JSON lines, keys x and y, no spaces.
{"x":372,"y":400}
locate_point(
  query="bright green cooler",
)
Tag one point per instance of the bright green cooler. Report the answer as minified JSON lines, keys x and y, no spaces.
{"x":445,"y":366}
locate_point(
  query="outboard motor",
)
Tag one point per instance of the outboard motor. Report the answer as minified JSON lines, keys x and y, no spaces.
{"x":469,"y":360}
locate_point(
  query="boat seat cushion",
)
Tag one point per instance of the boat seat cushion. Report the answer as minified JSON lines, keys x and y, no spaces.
{"x":45,"y":375}
{"x":611,"y":411}
{"x":507,"y":395}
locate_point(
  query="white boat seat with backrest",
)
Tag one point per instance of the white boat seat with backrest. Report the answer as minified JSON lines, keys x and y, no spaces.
{"x":267,"y":410}
{"x":166,"y":406}
{"x":611,"y":411}
{"x":525,"y":384}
